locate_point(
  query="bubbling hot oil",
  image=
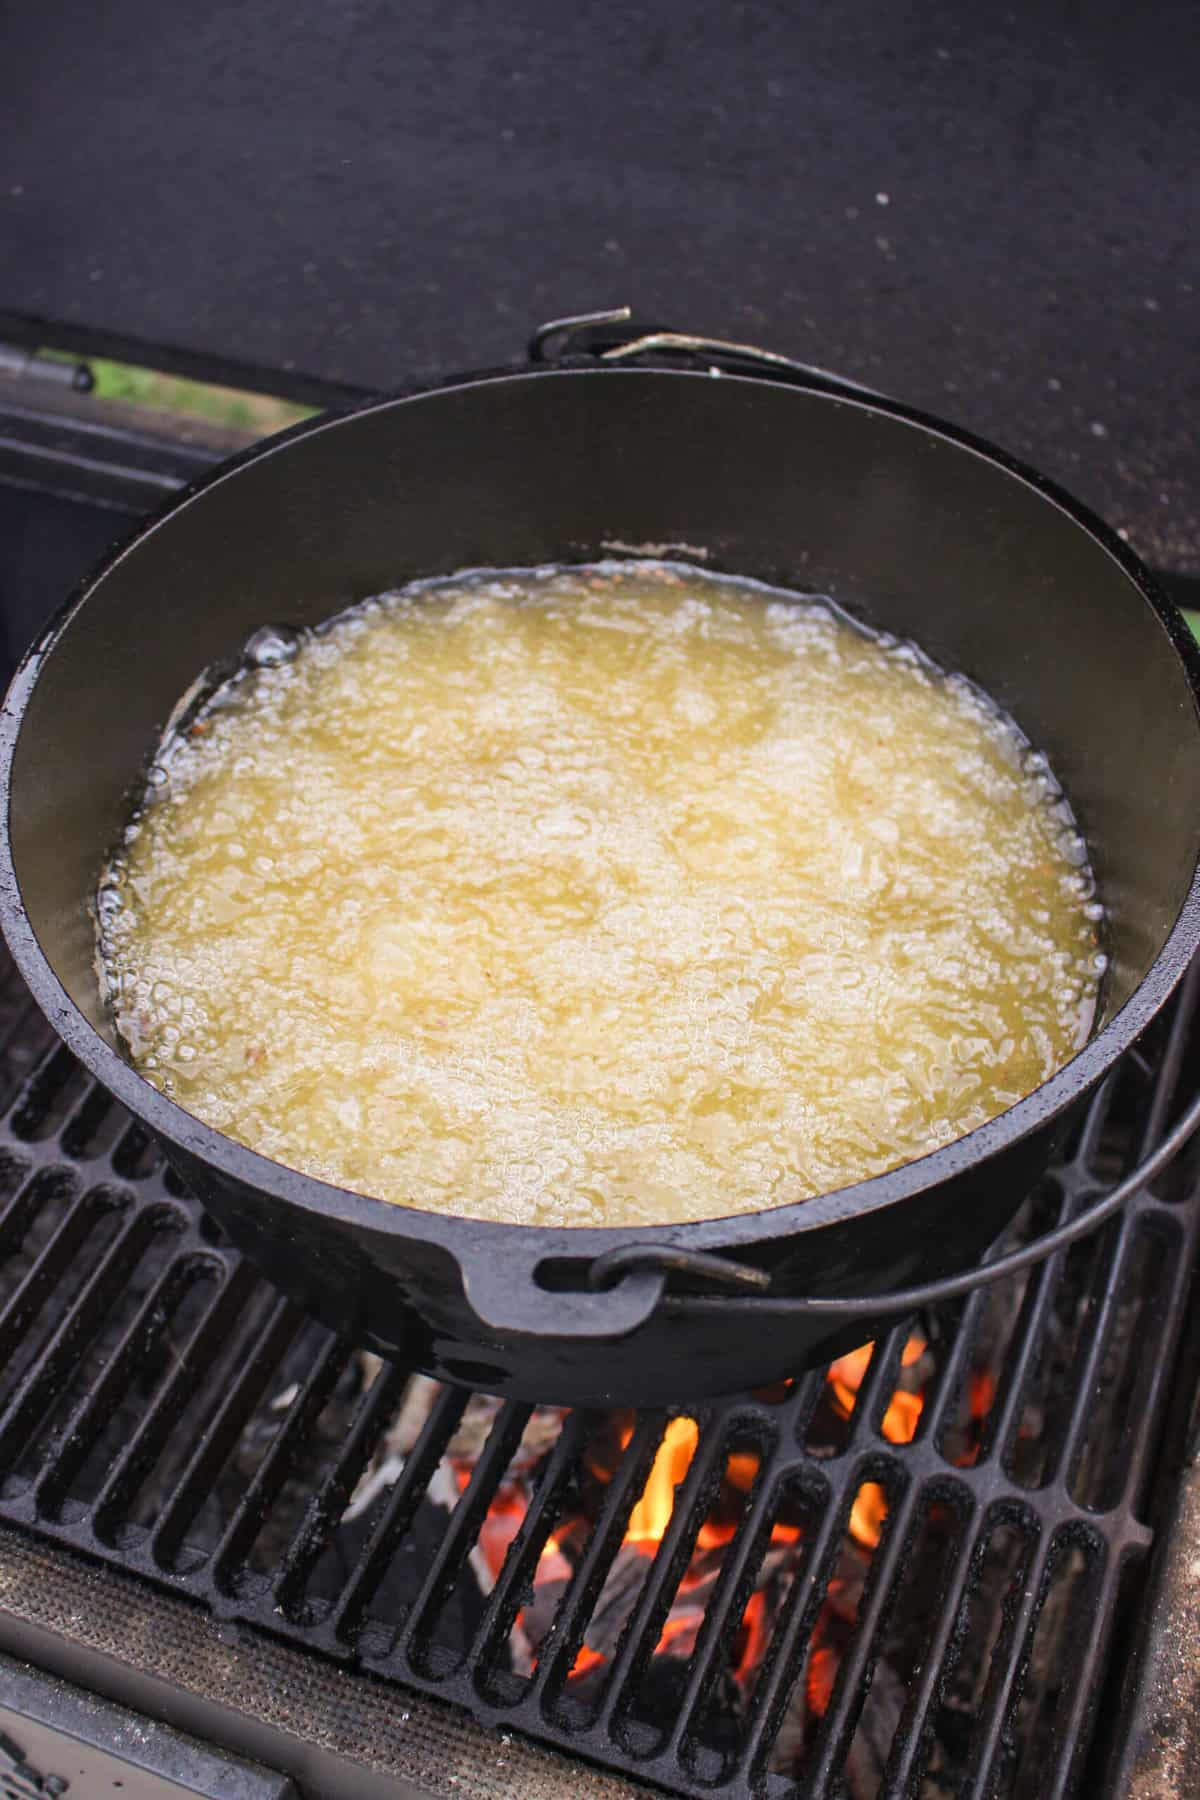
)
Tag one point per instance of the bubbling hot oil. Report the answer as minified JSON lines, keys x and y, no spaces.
{"x":608,"y":895}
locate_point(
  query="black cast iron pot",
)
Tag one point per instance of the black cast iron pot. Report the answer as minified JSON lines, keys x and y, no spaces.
{"x":905,"y":521}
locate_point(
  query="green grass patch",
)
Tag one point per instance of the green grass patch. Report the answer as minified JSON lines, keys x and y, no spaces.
{"x":133,"y":385}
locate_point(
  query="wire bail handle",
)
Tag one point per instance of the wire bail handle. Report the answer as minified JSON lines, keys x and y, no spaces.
{"x":597,"y":335}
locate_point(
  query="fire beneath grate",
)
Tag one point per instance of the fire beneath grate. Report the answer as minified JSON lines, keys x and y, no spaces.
{"x":902,"y":1574}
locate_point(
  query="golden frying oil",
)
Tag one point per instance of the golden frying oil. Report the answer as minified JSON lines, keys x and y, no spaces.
{"x":606,"y":895}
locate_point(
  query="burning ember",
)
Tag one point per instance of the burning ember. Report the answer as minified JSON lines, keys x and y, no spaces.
{"x":785,"y":1523}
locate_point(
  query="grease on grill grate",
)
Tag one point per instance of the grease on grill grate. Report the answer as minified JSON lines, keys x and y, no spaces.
{"x":898,"y":1575}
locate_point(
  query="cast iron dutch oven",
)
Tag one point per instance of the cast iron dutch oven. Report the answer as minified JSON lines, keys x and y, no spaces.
{"x":801,"y":481}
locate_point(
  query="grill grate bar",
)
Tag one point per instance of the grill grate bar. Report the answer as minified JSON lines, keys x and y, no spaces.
{"x":21,"y":1208}
{"x":670,"y":1562}
{"x":789,"y":1646}
{"x":135,"y":1156}
{"x":1115,"y":1248}
{"x":850,"y":1688}
{"x":876,"y":1390}
{"x":85,"y":1119}
{"x":182,"y":1383}
{"x":459,"y":1537}
{"x":52,"y":1052}
{"x":222,"y":1432}
{"x":1028,"y":1338}
{"x":963,"y":1320}
{"x":16,"y":1027}
{"x":1171,"y":1064}
{"x":723,"y":1615}
{"x":516,"y":1576}
{"x":1083,"y":1689}
{"x":331,"y":1499}
{"x":1146,"y":1416}
{"x":1016,"y":1635}
{"x":910,"y":1744}
{"x":39,"y":1281}
{"x":397,"y":1514}
{"x":140,"y":1340}
{"x":562,"y":1642}
{"x":79,"y":1322}
{"x":803,"y":1403}
{"x":35,"y":1099}
{"x":1110,"y":1250}
{"x":276,"y":1465}
{"x":1095,"y":1119}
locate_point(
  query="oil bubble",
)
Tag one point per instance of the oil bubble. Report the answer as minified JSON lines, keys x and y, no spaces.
{"x":270,"y":646}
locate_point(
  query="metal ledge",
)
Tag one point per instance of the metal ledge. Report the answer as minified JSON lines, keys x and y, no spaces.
{"x":340,"y":1734}
{"x":54,"y":1737}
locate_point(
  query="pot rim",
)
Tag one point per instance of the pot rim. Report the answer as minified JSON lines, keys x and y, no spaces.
{"x":362,"y":1212}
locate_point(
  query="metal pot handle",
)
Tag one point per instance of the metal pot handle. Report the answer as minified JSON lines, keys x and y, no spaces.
{"x":624,"y":1288}
{"x":511,"y":1302}
{"x":611,"y":345}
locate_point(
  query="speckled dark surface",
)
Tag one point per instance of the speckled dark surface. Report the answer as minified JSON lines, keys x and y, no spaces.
{"x":1160,"y":1757}
{"x":992,"y":213}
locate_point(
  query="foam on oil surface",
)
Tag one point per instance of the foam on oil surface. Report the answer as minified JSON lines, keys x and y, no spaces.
{"x":602,"y":895}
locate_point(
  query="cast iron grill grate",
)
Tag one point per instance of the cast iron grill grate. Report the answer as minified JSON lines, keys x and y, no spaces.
{"x":898,"y":1576}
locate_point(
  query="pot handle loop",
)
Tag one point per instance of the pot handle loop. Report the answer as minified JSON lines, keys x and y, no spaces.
{"x":624,"y":1288}
{"x":614,"y":1264}
{"x":510,"y":1301}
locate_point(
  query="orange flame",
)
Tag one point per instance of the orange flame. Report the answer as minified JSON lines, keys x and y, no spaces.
{"x":846,"y":1376}
{"x":711,"y":1535}
{"x":757,"y":1629}
{"x":822,"y":1673}
{"x":673,"y":1628}
{"x":652,"y":1514}
{"x":900,"y":1419}
{"x":983,"y":1392}
{"x":904,"y":1410}
{"x":741,"y":1469}
{"x":868,"y":1514}
{"x":899,"y":1426}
